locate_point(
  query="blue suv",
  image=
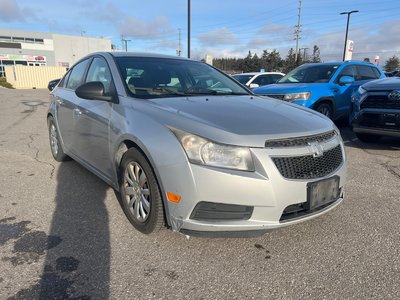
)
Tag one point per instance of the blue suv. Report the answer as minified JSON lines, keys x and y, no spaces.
{"x":324,"y":87}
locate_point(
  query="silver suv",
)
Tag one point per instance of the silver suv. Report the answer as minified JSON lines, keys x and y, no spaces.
{"x":187,"y":146}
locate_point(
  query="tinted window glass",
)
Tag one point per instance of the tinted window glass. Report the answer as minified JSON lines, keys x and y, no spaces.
{"x":99,"y":71}
{"x":76,"y":76}
{"x":310,"y":74}
{"x":64,"y":81}
{"x":161,"y":77}
{"x":376,"y":71}
{"x":242,"y":78}
{"x":366,"y":73}
{"x":276,"y":77}
{"x":348,"y":71}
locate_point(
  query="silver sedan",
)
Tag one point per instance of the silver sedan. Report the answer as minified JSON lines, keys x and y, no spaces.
{"x":188,"y":147}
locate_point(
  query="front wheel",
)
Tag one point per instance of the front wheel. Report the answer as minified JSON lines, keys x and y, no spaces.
{"x":325,"y":109}
{"x":140,"y":194}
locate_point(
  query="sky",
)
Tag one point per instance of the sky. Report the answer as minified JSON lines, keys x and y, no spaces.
{"x":219,"y":28}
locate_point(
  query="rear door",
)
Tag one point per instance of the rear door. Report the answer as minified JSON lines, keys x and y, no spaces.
{"x":66,"y":104}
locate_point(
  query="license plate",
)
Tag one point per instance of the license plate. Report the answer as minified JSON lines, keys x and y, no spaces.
{"x":322,"y":192}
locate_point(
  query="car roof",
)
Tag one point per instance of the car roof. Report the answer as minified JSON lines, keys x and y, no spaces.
{"x":340,"y":63}
{"x":140,"y":54}
{"x":257,"y":73}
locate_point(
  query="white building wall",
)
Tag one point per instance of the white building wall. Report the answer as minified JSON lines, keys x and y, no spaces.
{"x":69,"y":49}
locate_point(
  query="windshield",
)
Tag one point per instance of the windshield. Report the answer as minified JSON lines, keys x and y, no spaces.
{"x":163,"y":77}
{"x":243,"y":79}
{"x":310,"y":74}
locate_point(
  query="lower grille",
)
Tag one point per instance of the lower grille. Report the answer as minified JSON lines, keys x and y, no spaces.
{"x":379,"y":101}
{"x":385,"y":121}
{"x":209,"y":211}
{"x":309,"y":167}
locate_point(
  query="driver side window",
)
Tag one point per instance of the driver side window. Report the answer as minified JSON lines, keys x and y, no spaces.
{"x":348,"y":71}
{"x":99,"y":71}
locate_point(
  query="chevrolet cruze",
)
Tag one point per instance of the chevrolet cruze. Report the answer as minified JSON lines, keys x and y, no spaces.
{"x":188,"y":147}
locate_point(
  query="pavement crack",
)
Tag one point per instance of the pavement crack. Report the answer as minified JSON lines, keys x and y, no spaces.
{"x":390,"y":169}
{"x":36,"y":157}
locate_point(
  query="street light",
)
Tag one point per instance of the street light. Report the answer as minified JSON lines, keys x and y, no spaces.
{"x":348,"y":13}
{"x":188,"y":41}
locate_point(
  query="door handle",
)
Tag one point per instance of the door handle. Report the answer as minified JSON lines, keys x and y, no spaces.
{"x":77,"y":112}
{"x":335,"y":90}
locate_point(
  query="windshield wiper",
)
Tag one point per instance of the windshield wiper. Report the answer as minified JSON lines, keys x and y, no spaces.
{"x":167,"y":91}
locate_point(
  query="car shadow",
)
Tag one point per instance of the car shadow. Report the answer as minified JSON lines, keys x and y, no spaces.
{"x":78,"y":266}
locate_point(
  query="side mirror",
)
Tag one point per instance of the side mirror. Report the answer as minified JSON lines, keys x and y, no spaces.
{"x":52,"y":84}
{"x":93,"y":91}
{"x":253,"y":85}
{"x":346,"y":80}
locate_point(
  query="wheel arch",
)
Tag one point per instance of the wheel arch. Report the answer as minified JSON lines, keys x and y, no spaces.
{"x":328,"y":100}
{"x":124,"y":146}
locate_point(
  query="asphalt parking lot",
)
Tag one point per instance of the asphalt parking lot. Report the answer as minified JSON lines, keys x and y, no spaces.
{"x":63,"y":234}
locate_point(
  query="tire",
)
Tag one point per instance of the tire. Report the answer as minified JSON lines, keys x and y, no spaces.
{"x":326,"y":109}
{"x":368,"y":138}
{"x":140,"y":194}
{"x":55,"y":145}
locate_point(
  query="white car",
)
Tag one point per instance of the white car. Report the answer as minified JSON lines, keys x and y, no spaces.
{"x":257,"y":79}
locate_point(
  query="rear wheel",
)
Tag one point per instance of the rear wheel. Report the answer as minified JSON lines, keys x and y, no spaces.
{"x":55,"y":145}
{"x":140,"y":194}
{"x":369,"y":138}
{"x":325,"y":108}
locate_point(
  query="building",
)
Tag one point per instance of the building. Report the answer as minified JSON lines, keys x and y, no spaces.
{"x":29,"y":48}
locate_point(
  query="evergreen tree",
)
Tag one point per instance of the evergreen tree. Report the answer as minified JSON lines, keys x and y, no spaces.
{"x":315,"y":58}
{"x":392,"y":64}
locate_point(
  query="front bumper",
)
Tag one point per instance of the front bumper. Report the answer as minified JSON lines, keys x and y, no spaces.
{"x":383,"y":122}
{"x":265,"y":190}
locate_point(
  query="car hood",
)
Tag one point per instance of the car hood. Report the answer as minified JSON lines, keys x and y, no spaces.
{"x":238,"y":120}
{"x":391,"y":83}
{"x":285,"y":88}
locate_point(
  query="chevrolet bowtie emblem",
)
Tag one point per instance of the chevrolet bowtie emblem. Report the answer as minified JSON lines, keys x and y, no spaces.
{"x":316,"y":149}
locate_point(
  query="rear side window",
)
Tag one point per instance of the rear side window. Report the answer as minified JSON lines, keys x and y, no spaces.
{"x":366,"y":73}
{"x":77,"y":73}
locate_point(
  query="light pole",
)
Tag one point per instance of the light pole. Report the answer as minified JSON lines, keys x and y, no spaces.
{"x":188,"y":45}
{"x":348,"y":13}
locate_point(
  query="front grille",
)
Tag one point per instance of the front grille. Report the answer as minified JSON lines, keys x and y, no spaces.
{"x":309,"y":167}
{"x":300,"y":141}
{"x":280,"y":97}
{"x":380,"y":101}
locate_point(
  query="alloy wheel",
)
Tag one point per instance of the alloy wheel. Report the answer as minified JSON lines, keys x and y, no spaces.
{"x":137,"y":191}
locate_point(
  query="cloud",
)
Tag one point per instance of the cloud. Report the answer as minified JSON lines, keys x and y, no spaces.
{"x":221,"y":36}
{"x":368,"y":42}
{"x":157,"y":28}
{"x":11,"y":11}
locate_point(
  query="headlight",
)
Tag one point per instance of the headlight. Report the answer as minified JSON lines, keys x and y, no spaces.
{"x":361,"y":90}
{"x":297,"y":96}
{"x":204,"y":152}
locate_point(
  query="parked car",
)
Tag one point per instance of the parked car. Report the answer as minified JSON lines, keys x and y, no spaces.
{"x":324,"y":87}
{"x":257,"y":79}
{"x":376,"y":109}
{"x":201,"y":158}
{"x":395,"y":73}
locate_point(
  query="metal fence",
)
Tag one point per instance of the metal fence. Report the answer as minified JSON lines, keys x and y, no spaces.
{"x":30,"y":77}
